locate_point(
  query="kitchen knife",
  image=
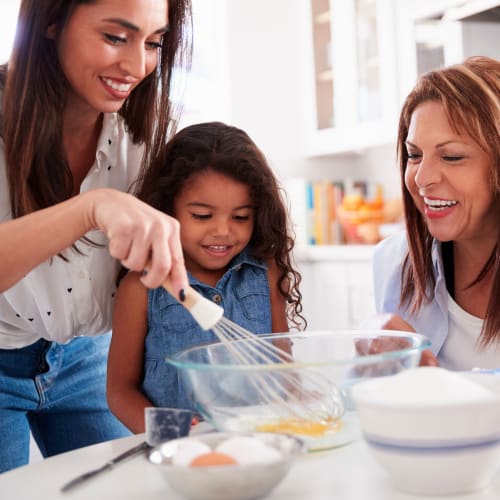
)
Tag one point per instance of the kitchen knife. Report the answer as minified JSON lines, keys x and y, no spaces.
{"x":136,"y":450}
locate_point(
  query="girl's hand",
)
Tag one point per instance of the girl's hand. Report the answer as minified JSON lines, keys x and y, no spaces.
{"x":139,"y":234}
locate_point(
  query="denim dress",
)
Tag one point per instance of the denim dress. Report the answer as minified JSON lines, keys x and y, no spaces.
{"x":243,"y":293}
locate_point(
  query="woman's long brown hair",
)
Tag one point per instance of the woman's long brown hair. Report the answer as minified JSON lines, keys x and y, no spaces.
{"x":230,"y":151}
{"x":470,"y":95}
{"x":33,"y":99}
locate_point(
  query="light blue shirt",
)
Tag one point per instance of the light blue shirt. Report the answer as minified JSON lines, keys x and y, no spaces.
{"x":432,"y":318}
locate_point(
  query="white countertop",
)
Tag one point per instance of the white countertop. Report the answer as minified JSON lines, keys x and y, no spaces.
{"x":346,"y":473}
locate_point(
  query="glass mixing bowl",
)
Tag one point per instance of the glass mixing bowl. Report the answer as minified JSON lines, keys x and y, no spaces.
{"x":268,"y":397}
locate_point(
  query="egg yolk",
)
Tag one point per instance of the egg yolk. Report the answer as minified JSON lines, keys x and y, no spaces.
{"x":212,"y":458}
{"x":302,"y":426}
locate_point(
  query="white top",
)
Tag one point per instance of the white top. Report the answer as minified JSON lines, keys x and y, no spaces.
{"x":452,"y":331}
{"x":461,"y":350}
{"x":60,"y":300}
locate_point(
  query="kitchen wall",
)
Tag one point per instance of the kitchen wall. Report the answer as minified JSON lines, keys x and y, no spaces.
{"x":251,"y":69}
{"x":268,"y":68}
{"x":265,"y":90}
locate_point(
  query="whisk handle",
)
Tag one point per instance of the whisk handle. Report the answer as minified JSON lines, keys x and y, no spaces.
{"x":205,"y":312}
{"x":191,"y":296}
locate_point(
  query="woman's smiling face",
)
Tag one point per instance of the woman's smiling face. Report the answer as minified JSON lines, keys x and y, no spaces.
{"x":447,"y":175}
{"x":107,"y":47}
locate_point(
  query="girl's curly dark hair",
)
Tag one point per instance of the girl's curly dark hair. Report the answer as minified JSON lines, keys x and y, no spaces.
{"x":230,"y":151}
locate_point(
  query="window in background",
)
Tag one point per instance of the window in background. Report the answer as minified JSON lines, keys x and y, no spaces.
{"x":8,"y":16}
{"x":204,"y":90}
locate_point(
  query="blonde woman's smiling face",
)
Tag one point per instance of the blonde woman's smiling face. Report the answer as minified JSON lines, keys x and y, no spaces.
{"x":447,"y":175}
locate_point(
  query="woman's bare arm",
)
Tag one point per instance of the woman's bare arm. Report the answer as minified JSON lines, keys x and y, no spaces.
{"x":136,"y":233}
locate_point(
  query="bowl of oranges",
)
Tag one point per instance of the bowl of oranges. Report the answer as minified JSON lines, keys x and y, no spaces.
{"x":361,"y":218}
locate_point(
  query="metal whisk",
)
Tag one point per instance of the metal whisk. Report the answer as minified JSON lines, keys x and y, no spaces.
{"x":308,"y":397}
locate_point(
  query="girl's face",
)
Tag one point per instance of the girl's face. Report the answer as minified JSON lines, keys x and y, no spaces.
{"x":108,"y":47}
{"x":447,"y":177}
{"x":216,"y":215}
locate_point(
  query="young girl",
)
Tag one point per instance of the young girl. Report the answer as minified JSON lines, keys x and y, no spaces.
{"x":236,"y":244}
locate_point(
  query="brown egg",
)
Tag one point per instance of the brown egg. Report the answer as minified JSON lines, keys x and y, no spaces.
{"x":212,"y":458}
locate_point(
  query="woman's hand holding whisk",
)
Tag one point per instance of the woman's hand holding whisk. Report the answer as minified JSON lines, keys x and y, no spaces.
{"x":139,"y":235}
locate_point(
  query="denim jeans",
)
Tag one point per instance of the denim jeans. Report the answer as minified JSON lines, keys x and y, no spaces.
{"x":59,"y":392}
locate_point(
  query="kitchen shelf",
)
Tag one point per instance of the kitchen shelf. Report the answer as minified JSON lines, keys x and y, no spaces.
{"x":325,"y":76}
{"x":323,"y":18}
{"x":480,"y":10}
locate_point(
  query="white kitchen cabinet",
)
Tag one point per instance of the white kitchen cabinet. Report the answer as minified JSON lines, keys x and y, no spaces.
{"x":337,"y":285}
{"x":436,"y":33}
{"x":351,"y":79}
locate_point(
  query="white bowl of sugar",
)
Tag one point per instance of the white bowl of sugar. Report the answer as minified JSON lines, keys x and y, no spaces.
{"x":435,"y":432}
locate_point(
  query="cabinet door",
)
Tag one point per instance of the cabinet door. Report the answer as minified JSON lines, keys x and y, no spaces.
{"x":433,"y":34}
{"x":361,"y":299}
{"x":330,"y":307}
{"x":354,"y":86}
{"x":337,"y":295}
{"x":307,"y":289}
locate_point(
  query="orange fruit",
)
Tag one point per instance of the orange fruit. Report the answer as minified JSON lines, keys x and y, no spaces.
{"x":212,"y":458}
{"x":352,"y":201}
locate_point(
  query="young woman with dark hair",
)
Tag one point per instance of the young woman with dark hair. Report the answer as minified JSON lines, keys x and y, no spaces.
{"x":85,"y":105}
